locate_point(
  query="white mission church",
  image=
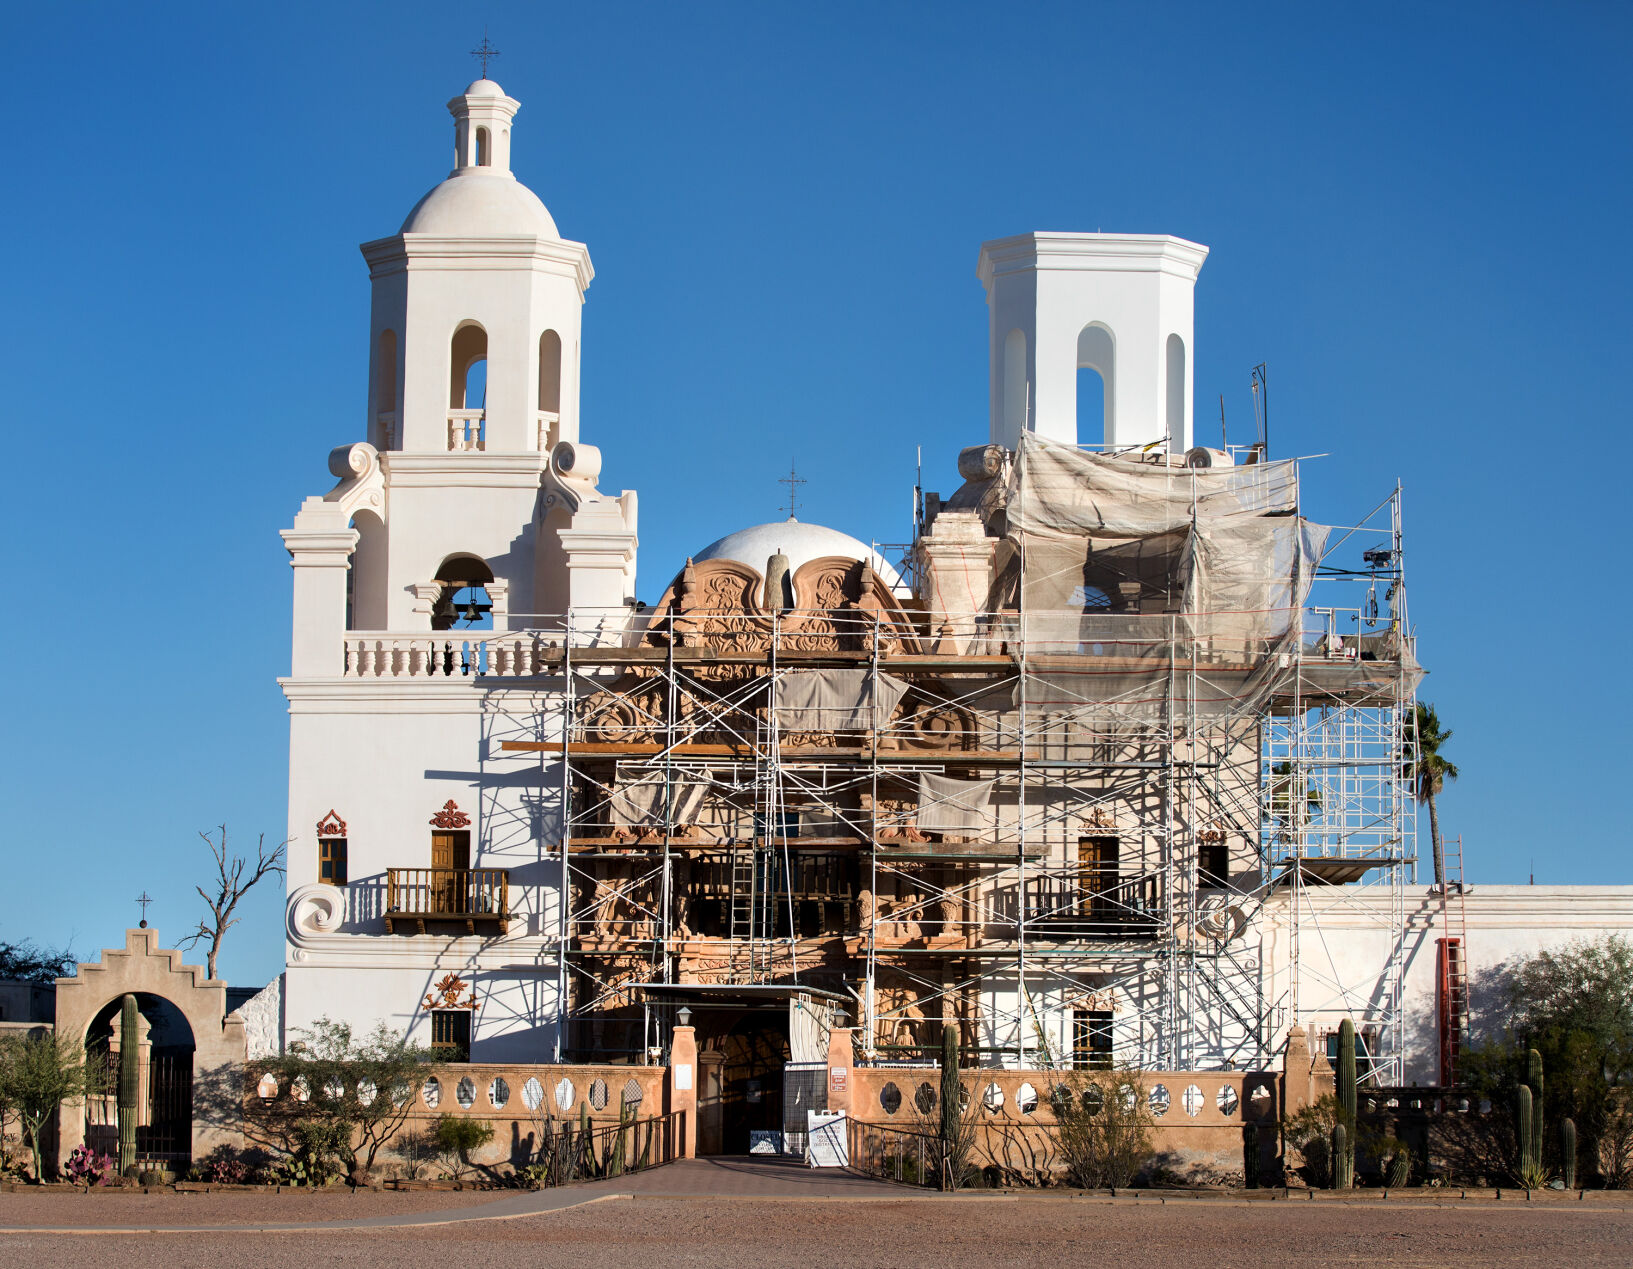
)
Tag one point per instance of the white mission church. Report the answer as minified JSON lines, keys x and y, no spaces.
{"x":1093,"y":769}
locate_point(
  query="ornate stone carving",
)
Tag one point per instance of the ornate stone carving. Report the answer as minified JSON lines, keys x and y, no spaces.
{"x":451,"y":992}
{"x":331,"y":825}
{"x":450,"y":816}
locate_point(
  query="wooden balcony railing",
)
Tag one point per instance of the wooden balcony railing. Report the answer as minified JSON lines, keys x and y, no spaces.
{"x":470,"y":896}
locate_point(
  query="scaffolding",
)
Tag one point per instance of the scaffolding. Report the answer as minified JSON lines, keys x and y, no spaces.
{"x":1103,"y":812}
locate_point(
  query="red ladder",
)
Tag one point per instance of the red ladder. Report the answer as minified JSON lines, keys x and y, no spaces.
{"x":1452,"y":965}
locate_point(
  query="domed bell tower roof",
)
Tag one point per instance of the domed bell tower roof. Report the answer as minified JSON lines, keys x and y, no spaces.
{"x":482,"y":197}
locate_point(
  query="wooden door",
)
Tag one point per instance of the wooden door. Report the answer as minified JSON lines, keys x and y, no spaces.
{"x":451,"y":860}
{"x":1096,"y":875}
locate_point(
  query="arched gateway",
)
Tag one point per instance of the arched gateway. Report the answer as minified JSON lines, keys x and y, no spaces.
{"x":193,"y":1050}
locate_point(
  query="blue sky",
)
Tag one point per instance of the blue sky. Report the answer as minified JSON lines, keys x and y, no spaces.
{"x":1415,"y":214}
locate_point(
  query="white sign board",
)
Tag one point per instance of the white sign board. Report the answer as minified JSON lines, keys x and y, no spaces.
{"x":826,"y":1145}
{"x":764,"y":1141}
{"x":683,"y":1076}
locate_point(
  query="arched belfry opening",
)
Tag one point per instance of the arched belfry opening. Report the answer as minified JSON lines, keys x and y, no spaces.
{"x":484,"y":148}
{"x":366,"y":579}
{"x":1096,"y":384}
{"x":464,"y":602}
{"x":549,"y":390}
{"x":468,"y":388}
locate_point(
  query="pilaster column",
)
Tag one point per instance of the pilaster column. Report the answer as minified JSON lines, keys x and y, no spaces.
{"x":683,"y":1084}
{"x":320,"y":545}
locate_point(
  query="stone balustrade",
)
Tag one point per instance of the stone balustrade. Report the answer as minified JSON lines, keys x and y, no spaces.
{"x":467,"y":430}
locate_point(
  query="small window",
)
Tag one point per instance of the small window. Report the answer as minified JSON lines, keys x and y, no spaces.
{"x":332,"y":860}
{"x":451,"y":1034}
{"x":484,"y":149}
{"x":1091,"y":1039}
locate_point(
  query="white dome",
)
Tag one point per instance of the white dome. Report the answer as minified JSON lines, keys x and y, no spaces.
{"x":801,"y":543}
{"x":484,"y":88}
{"x":477,"y":204}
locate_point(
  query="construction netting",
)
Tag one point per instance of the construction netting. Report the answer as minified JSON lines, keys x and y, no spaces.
{"x":1127,"y":569}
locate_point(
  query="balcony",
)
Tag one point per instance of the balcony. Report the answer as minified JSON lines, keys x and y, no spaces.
{"x":1070,"y":905}
{"x":476,"y":898}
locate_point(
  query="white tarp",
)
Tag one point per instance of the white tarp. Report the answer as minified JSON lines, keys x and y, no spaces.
{"x":953,"y":806}
{"x":640,"y":803}
{"x":836,"y":700}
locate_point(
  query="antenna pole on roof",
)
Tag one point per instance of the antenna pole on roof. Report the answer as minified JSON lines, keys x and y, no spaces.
{"x":1224,"y":440}
{"x":918,"y":493}
{"x":1261,"y":407}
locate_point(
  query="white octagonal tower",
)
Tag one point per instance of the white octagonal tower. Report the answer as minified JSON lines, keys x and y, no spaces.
{"x":1120,"y":304}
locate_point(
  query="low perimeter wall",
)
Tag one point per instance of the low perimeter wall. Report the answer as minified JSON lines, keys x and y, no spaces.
{"x":1197,"y":1132}
{"x":516,"y":1099}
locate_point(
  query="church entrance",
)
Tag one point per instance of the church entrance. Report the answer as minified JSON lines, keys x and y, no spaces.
{"x":752,"y":1056}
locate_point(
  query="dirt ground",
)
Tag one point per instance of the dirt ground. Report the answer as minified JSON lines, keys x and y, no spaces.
{"x":868,"y":1229}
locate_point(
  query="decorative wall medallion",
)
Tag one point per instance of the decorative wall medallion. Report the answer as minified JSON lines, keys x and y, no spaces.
{"x":452,"y":992}
{"x":450,"y":816}
{"x":331,"y":825}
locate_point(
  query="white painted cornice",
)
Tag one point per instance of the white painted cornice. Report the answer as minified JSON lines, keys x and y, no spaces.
{"x":1585,"y":908}
{"x":521,"y":470}
{"x":403,"y":252}
{"x":461,"y":694}
{"x":1111,"y":253}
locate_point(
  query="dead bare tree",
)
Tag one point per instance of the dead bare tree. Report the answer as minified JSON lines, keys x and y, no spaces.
{"x":234,"y":878}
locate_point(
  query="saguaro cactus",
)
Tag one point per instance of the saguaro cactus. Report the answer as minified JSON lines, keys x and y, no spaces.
{"x":1524,"y":1133}
{"x":1533,"y":1077}
{"x":1567,"y":1152}
{"x":1345,"y":1078}
{"x":1343,"y":1162}
{"x":950,"y":1125}
{"x":130,"y":1082}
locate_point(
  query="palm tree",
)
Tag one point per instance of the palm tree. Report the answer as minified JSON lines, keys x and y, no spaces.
{"x":1429,"y":774}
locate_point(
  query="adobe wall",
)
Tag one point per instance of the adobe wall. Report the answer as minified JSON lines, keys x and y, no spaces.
{"x":514,"y":1098}
{"x":1198,"y":1136}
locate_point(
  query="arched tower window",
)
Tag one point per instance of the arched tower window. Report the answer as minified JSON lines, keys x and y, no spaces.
{"x":484,"y":148}
{"x":1096,"y":385}
{"x":1015,"y":393}
{"x":467,"y":388}
{"x":549,"y":390}
{"x":464,"y":603}
{"x":1177,"y":439}
{"x":385,"y":389}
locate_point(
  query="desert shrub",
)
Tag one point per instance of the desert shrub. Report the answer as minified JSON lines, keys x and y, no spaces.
{"x":1105,"y":1127}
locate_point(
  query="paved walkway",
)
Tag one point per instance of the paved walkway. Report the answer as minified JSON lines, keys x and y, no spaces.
{"x":726,"y":1177}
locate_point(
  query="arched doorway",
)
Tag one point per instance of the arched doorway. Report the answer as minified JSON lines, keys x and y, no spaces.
{"x":752,"y":1054}
{"x":164,"y":1099}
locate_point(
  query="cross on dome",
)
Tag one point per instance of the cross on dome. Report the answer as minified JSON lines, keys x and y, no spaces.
{"x":484,"y":52}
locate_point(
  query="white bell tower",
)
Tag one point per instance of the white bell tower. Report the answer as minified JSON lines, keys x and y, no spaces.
{"x":477,"y":274}
{"x":1120,"y":304}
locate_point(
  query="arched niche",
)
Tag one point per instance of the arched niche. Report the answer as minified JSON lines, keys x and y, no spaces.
{"x":1174,"y":358}
{"x":366,"y":592}
{"x":1015,"y":384}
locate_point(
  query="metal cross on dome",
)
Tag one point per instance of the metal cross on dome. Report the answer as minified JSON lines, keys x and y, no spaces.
{"x":793,"y":480}
{"x":144,"y":901}
{"x":484,"y":52}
